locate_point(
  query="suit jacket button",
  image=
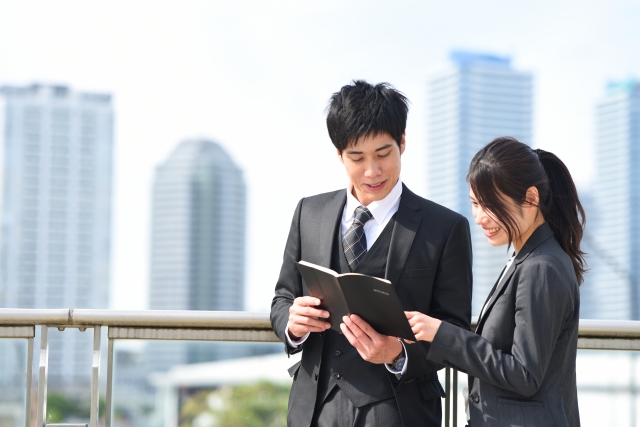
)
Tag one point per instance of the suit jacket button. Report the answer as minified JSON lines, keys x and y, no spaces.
{"x":336,"y":376}
{"x":315,"y":377}
{"x":338,"y":353}
{"x":475,"y":398}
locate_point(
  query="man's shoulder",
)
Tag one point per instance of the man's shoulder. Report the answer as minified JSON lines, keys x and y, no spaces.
{"x":431,"y":209}
{"x":320,"y":200}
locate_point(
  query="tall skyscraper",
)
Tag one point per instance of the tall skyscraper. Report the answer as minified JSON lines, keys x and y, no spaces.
{"x":477,"y":98}
{"x":198,"y":242}
{"x":615,"y":243}
{"x":56,"y":149}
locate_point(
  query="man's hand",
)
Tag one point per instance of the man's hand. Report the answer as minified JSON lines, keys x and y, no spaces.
{"x":372,"y":346}
{"x":423,"y":326}
{"x":304,"y":317}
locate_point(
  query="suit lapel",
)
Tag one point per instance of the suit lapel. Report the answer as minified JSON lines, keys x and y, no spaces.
{"x":496,"y":294}
{"x":407,"y":221}
{"x":327,"y":230}
{"x":541,"y":234}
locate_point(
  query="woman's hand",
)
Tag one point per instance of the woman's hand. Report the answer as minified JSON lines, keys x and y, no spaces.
{"x":423,"y":326}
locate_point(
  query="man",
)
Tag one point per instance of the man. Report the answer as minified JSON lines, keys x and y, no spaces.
{"x":380,"y":228}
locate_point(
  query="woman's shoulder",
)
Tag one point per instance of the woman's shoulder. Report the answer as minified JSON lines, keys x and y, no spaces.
{"x":550,"y":261}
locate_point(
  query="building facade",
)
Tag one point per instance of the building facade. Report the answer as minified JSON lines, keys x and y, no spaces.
{"x":478,"y":98}
{"x":198,"y":243}
{"x":56,"y":152}
{"x":614,"y":246}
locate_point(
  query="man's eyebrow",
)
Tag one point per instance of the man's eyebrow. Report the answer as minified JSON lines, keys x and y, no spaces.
{"x":384,"y":147}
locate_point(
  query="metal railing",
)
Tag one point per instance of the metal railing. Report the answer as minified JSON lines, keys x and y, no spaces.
{"x":208,"y":326}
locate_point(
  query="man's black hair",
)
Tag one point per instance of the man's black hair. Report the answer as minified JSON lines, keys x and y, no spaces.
{"x":361,"y":110}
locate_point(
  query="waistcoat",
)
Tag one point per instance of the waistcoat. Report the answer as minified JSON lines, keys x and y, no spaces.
{"x":342,"y":366}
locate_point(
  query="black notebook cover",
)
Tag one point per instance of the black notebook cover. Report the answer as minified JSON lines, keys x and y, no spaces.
{"x":369,"y":297}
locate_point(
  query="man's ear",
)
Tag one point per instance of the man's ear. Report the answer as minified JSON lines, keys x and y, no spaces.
{"x":532,"y":198}
{"x":340,"y":155}
{"x":403,"y":143}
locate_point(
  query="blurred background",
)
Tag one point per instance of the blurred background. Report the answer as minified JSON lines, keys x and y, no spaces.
{"x":153,"y":154}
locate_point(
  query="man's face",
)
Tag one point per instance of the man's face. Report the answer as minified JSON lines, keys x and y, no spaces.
{"x":373,"y":166}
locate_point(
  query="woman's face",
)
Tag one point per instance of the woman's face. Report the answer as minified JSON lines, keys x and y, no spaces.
{"x":527,"y":219}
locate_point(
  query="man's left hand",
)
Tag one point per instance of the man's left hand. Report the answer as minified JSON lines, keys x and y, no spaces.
{"x":372,"y":346}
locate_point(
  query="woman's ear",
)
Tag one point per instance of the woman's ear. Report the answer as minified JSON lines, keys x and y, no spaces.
{"x":532,"y":198}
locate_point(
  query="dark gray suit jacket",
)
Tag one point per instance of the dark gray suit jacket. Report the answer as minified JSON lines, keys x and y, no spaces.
{"x":429,"y":263}
{"x":522,"y":360}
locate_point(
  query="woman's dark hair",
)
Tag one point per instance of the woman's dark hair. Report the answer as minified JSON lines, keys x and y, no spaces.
{"x":509,"y":167}
{"x":361,"y":109}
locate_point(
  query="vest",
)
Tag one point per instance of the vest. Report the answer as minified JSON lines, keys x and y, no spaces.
{"x":342,"y":366}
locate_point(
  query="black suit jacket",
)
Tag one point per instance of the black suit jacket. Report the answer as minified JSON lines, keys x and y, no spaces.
{"x":429,"y":263}
{"x":522,"y":360}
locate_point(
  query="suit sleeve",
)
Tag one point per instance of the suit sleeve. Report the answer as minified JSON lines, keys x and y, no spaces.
{"x":289,"y":284}
{"x":542,"y":305}
{"x":451,"y":295}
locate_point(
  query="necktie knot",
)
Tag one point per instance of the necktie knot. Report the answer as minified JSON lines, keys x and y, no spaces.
{"x":362,"y":215}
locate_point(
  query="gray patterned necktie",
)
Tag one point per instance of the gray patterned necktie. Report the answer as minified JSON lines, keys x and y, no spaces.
{"x":354,"y":240}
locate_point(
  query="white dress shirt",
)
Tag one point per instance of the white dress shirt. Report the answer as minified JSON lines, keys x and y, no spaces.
{"x":382,"y":211}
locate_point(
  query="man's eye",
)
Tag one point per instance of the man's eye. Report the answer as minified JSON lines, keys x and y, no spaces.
{"x":382,"y":156}
{"x":358,"y":160}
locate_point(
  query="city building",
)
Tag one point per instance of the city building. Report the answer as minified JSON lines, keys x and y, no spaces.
{"x":197,"y":244}
{"x":477,"y":98}
{"x":56,"y":151}
{"x":615,"y":243}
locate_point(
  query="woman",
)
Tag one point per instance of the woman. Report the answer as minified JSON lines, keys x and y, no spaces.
{"x":521,"y":361}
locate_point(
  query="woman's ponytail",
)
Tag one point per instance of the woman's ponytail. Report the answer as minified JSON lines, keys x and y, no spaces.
{"x":562,"y":209}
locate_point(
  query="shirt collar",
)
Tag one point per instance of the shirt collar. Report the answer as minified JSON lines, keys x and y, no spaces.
{"x":380,"y":209}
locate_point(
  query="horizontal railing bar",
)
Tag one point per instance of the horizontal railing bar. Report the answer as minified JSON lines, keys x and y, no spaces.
{"x":193,"y":334}
{"x":17,"y":331}
{"x":589,"y":328}
{"x":66,"y":425}
{"x":33,"y":316}
{"x":608,"y":344}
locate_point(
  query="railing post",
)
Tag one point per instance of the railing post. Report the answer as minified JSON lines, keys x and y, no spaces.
{"x":42,"y":376}
{"x":28,"y":382}
{"x":447,"y":398}
{"x":109,"y":382}
{"x":95,"y":379}
{"x":455,"y":398}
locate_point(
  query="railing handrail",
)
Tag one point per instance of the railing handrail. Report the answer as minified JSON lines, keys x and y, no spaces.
{"x":228,"y":320}
{"x":136,"y":318}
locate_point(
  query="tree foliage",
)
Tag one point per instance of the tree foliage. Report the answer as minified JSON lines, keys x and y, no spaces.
{"x":262,"y":404}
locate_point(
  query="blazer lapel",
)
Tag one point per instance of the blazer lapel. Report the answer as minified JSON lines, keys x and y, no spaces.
{"x":487,"y":309}
{"x":407,"y":221}
{"x":541,"y":234}
{"x":327,"y":229}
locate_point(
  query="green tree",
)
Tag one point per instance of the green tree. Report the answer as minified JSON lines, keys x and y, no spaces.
{"x":262,"y":404}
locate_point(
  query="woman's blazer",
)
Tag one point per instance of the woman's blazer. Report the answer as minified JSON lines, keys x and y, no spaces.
{"x":521,"y":361}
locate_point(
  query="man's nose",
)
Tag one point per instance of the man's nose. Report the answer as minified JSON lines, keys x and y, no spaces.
{"x":372,"y":170}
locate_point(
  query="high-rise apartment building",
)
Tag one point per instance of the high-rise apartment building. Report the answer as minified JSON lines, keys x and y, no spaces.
{"x":477,"y":98}
{"x":615,"y":241}
{"x":56,"y":150}
{"x":198,"y":242}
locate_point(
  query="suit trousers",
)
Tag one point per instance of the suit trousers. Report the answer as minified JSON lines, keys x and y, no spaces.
{"x":338,"y":411}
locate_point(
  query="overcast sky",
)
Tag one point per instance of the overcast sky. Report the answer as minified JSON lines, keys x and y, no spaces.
{"x":256,"y":76}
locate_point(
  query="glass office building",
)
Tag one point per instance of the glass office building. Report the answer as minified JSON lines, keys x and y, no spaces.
{"x":612,"y":285}
{"x":56,"y":150}
{"x":477,"y":98}
{"x":198,"y":243}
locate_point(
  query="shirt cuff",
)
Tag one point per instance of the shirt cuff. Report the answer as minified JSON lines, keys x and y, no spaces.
{"x":297,"y":342}
{"x":391,"y":369}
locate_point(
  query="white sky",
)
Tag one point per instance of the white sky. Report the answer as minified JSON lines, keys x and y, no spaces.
{"x":256,"y":76}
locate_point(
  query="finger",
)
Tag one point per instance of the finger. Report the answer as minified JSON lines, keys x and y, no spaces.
{"x":364,"y":339}
{"x":307,"y":301}
{"x":308,"y":311}
{"x":409,"y":314}
{"x":308,"y":321}
{"x":364,"y":326}
{"x":349,"y":335}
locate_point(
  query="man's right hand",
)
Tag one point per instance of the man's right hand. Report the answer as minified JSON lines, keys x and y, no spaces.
{"x":304,"y":317}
